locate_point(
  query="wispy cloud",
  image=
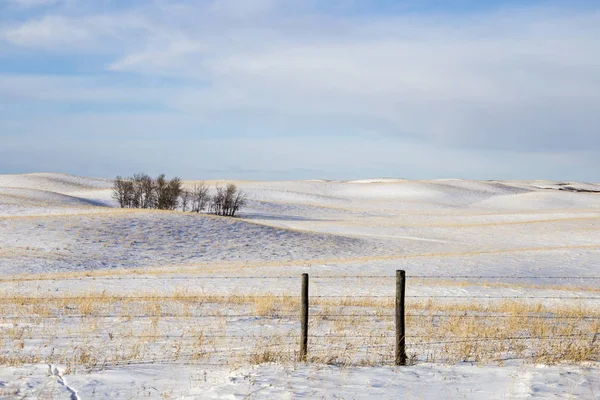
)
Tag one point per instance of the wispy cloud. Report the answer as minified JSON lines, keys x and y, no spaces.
{"x":31,"y":3}
{"x":524,"y":78}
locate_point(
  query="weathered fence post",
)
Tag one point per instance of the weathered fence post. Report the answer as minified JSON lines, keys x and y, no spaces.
{"x":400,"y":333}
{"x":304,"y":319}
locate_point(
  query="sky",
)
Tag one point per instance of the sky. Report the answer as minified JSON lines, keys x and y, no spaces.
{"x":301,"y":89}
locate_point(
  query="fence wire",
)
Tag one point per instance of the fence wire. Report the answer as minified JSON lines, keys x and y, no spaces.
{"x":187,"y":277}
{"x":30,"y":328}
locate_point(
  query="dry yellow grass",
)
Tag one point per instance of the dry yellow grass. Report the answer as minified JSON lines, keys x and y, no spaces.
{"x":97,"y":329}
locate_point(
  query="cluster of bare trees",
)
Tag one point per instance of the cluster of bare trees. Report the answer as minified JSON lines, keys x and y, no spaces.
{"x":143,"y":191}
{"x":195,"y":200}
{"x":227,"y":201}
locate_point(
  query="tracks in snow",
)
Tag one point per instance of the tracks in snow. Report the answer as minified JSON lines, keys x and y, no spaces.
{"x":54,"y":371}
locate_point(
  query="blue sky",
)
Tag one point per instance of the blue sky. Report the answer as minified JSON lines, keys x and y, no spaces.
{"x":301,"y":89}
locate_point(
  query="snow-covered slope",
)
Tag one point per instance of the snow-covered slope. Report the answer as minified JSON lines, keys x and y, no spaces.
{"x":45,"y":193}
{"x":50,"y":182}
{"x":534,"y":230}
{"x":369,"y":195}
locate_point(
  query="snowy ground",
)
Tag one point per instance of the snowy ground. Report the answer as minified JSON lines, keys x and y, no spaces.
{"x":58,"y":224}
{"x":311,"y":382}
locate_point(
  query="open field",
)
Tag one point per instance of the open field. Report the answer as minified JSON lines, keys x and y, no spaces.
{"x":503,"y":291}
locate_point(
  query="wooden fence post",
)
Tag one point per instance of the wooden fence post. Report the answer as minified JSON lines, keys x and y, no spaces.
{"x":304,"y":319}
{"x":400,"y":332}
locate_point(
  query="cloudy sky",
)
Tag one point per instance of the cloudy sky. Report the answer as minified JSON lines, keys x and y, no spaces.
{"x":301,"y":89}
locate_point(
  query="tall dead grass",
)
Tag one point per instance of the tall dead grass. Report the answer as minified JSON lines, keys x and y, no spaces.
{"x":97,"y":329}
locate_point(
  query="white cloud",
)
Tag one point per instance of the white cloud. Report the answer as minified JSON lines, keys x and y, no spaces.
{"x":50,"y":30}
{"x":159,"y":57}
{"x":32,"y":3}
{"x":526,"y":79}
{"x":31,"y":88}
{"x":79,"y":33}
{"x":242,"y":8}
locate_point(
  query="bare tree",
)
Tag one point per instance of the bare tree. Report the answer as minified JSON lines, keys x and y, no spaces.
{"x":119,"y":192}
{"x":160,"y":188}
{"x":137,"y":192}
{"x":238,"y":200}
{"x":141,"y":191}
{"x":185,"y":199}
{"x":217,"y":201}
{"x":174,"y":189}
{"x":227,"y":200}
{"x":147,"y":191}
{"x":200,"y":197}
{"x":124,"y":192}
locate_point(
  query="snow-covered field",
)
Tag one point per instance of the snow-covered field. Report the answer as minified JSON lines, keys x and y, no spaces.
{"x":62,"y":236}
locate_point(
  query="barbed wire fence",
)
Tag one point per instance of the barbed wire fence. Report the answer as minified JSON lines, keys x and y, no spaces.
{"x":103,"y":330}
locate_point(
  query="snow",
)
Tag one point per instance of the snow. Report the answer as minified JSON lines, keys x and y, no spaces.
{"x":52,"y":223}
{"x":307,"y":382}
{"x":59,"y":183}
